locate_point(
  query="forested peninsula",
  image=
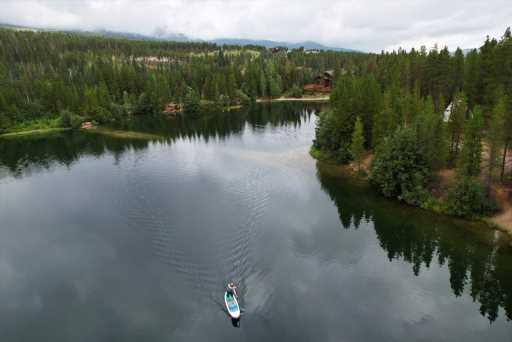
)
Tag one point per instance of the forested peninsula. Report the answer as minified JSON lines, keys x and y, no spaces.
{"x":436,"y":126}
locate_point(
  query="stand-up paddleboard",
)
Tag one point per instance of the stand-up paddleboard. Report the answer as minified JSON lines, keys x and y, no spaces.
{"x":232,"y":305}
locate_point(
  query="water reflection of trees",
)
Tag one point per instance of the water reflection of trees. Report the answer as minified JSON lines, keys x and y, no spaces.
{"x":23,"y":156}
{"x":421,"y":239}
{"x":224,"y":125}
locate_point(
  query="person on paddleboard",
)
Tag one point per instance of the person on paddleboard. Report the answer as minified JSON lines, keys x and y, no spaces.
{"x":232,"y":289}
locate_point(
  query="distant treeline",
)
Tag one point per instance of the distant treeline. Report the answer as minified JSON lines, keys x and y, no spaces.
{"x":43,"y":74}
{"x":423,"y":111}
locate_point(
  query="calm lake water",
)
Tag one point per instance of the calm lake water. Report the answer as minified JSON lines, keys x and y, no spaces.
{"x":105,"y":239}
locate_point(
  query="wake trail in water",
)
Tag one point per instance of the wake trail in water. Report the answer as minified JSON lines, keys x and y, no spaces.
{"x":205,"y":250}
{"x":203,"y":225}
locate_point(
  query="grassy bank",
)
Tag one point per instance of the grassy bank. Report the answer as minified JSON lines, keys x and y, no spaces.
{"x":33,"y":125}
{"x":54,"y":125}
{"x":34,"y":132}
{"x":39,"y":126}
{"x":120,"y":134}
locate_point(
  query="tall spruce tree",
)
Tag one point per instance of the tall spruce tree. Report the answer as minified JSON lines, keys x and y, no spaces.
{"x":381,"y":121}
{"x":471,"y":153}
{"x":456,"y":123}
{"x":343,"y":100}
{"x":495,"y":137}
{"x":357,"y":145}
{"x":458,"y":70}
{"x":431,"y":134}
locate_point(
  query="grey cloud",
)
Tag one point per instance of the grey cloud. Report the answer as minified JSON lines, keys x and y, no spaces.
{"x":369,"y":25}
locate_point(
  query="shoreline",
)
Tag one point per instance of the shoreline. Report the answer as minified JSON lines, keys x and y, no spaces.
{"x":50,"y":128}
{"x":492,"y":222}
{"x":106,"y":131}
{"x":295,"y":99}
{"x":34,"y":132}
{"x":502,"y":219}
{"x":122,"y":134}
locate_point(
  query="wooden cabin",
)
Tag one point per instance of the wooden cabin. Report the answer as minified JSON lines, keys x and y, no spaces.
{"x":323,"y":83}
{"x":325,"y":79}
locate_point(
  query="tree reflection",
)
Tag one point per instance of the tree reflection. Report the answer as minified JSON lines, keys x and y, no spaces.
{"x":24,"y":156}
{"x":419,"y":238}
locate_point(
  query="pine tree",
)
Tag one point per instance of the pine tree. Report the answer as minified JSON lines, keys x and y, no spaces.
{"x":430,"y":132}
{"x":456,"y":123}
{"x":487,"y":71}
{"x":274,"y":87}
{"x":471,"y":153}
{"x":495,"y":137}
{"x":357,"y":146}
{"x":371,"y":104}
{"x":472,"y":78}
{"x":381,"y":126}
{"x":415,"y":105}
{"x":343,"y":100}
{"x":458,"y":70}
{"x":263,"y":90}
{"x":191,"y":103}
{"x":396,"y":117}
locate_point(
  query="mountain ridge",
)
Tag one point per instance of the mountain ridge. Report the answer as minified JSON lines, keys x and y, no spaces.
{"x":180,"y":37}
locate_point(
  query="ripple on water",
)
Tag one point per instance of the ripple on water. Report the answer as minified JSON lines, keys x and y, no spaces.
{"x":204,"y":254}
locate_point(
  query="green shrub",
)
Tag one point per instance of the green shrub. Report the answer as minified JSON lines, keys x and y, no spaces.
{"x":118,"y":113}
{"x":70,"y":119}
{"x":146,"y":105}
{"x":191,"y":104}
{"x":241,"y":97}
{"x":294,"y":91}
{"x":5,"y":121}
{"x":102,"y":115}
{"x":76,"y":121}
{"x":320,"y":154}
{"x":467,"y":198}
{"x":433,"y":204}
{"x":400,"y":168}
{"x":331,"y":137}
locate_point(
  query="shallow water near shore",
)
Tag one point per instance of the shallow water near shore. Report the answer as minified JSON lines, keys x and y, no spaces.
{"x":110,"y":239}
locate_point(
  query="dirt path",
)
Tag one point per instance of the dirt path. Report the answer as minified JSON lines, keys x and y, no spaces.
{"x":504,"y":217}
{"x":504,"y":200}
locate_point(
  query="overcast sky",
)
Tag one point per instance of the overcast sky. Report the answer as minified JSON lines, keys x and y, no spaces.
{"x":368,"y":25}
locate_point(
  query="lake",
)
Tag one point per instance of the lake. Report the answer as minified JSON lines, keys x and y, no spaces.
{"x":107,"y":239}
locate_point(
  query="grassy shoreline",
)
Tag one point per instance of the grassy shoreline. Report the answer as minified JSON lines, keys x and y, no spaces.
{"x":489,"y":221}
{"x":122,"y":134}
{"x":32,"y":127}
{"x":39,"y":131}
{"x":48,"y":126}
